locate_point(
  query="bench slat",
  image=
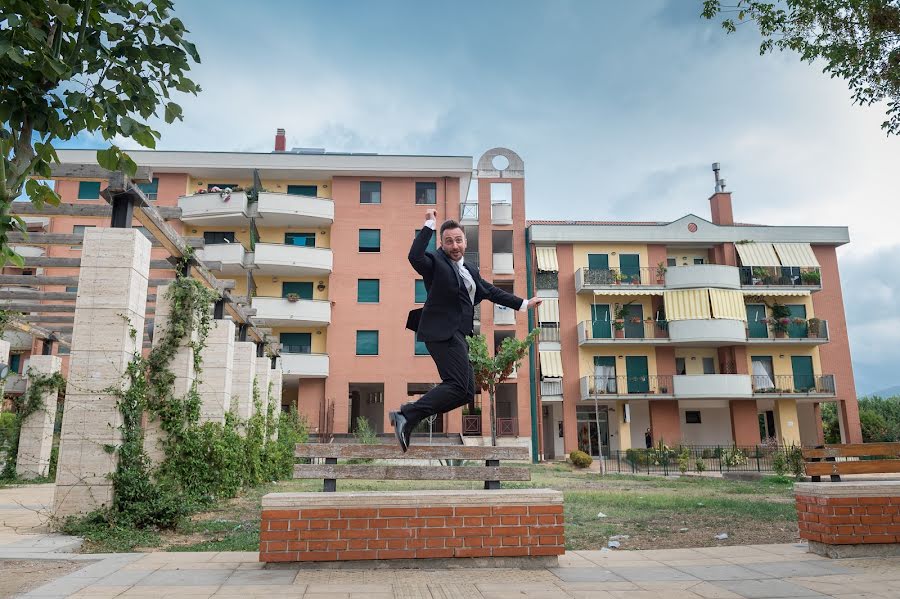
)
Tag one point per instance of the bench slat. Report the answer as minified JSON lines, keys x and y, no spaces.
{"x":853,"y":450}
{"x":857,"y":467}
{"x":409,"y":472}
{"x":416,"y":452}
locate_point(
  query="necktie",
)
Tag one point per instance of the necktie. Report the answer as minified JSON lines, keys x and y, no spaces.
{"x":467,"y":280}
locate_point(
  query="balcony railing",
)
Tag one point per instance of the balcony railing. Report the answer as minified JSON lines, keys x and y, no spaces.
{"x":797,"y":332}
{"x":507,"y":427}
{"x":605,"y":331}
{"x":599,"y":386}
{"x":609,"y":277}
{"x":504,"y":315}
{"x":551,"y":387}
{"x":547,"y":280}
{"x":501,"y":214}
{"x":468,"y":212}
{"x":503,"y":263}
{"x":471,"y":425}
{"x":783,"y":384}
{"x":296,"y":349}
{"x":781,"y":276}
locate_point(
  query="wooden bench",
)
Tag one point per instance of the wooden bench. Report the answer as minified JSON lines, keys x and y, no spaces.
{"x":491,"y":473}
{"x":816,"y":467}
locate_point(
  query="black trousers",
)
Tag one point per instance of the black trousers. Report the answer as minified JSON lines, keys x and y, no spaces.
{"x":457,"y":386}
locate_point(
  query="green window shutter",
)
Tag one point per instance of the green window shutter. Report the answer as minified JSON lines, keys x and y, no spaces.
{"x":303,"y":190}
{"x":421,"y":350}
{"x":421,"y":293}
{"x":804,"y":379}
{"x":15,"y":361}
{"x":630,"y":265}
{"x":89,"y":190}
{"x":636,"y":371}
{"x":432,"y":244}
{"x":296,"y":343}
{"x":366,"y":343}
{"x":601,"y":323}
{"x":150,"y":189}
{"x":301,"y":239}
{"x":370,"y":240}
{"x":367,"y":291}
{"x":755,"y":314}
{"x":798,"y":331}
{"x":302,"y":288}
{"x":598,"y":261}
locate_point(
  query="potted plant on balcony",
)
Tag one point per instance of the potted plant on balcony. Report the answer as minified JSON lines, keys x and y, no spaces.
{"x":619,"y":321}
{"x":619,"y":278}
{"x":811,"y":277}
{"x":813,"y":328}
{"x":760,"y":276}
{"x":661,"y":271}
{"x":292,"y":297}
{"x":780,"y":320}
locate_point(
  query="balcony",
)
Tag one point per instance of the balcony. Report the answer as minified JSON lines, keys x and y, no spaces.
{"x":468,"y":213}
{"x":813,"y":331}
{"x":708,"y":332}
{"x":546,"y":281}
{"x":471,"y":425}
{"x":501,"y":214}
{"x":29,"y":251}
{"x":15,"y":384}
{"x":703,"y":275}
{"x":292,"y":260}
{"x":712,"y":386}
{"x":504,"y":315}
{"x":604,"y":332}
{"x":780,"y":277}
{"x":280,"y":312}
{"x":303,"y":365}
{"x":592,"y":279}
{"x":549,"y":334}
{"x":231,"y":255}
{"x":612,"y":387}
{"x":290,"y":210}
{"x":793,"y":386}
{"x":551,"y":389}
{"x":507,"y":427}
{"x":215,"y":209}
{"x":18,"y":340}
{"x":503,"y":264}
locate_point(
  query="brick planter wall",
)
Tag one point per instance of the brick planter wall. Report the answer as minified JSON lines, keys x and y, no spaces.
{"x":849,"y":514}
{"x":517,"y":523}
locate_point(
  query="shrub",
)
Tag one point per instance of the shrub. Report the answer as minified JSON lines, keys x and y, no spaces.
{"x":364,"y":435}
{"x":684,"y":460}
{"x":734,"y":457}
{"x":580,"y":459}
{"x":700,"y":466}
{"x":795,"y":461}
{"x":780,"y":464}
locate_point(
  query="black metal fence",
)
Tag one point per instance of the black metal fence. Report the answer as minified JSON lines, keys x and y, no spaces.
{"x":697,"y":458}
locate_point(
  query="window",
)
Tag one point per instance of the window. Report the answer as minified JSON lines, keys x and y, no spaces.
{"x":367,"y":291}
{"x":692,"y":417}
{"x":426,"y":193}
{"x":15,"y":361}
{"x":303,"y":190}
{"x":304,"y":289}
{"x":366,"y":343}
{"x":89,"y":190}
{"x":218,"y":237}
{"x":150,"y":189}
{"x":432,"y":245}
{"x":501,"y":193}
{"x":680,"y":366}
{"x":421,"y":293}
{"x":296,"y":343}
{"x":370,"y":240}
{"x":709,"y":366}
{"x":421,"y":350}
{"x":370,"y":192}
{"x":79,"y":230}
{"x":62,"y":350}
{"x":221,"y":185}
{"x":699,"y":261}
{"x":671,"y":262}
{"x":301,"y":239}
{"x":72,"y":289}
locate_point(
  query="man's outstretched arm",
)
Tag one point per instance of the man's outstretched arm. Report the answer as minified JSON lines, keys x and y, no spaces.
{"x":418,"y":257}
{"x":498,"y":296}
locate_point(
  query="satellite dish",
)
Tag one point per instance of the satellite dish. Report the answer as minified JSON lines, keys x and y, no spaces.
{"x":4,"y":371}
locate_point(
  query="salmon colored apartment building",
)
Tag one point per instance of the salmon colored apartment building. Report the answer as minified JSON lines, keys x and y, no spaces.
{"x":654,"y":326}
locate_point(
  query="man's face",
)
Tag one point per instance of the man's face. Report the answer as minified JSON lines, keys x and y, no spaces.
{"x":453,"y":242}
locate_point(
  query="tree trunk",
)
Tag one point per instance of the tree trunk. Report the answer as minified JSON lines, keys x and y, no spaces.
{"x":493,"y":417}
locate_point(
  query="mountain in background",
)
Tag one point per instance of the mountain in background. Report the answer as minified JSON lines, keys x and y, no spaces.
{"x":888,"y":392}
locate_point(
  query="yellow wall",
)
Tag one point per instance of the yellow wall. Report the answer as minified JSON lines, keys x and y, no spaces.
{"x":195,"y":183}
{"x":318,"y":341}
{"x":685,"y":257}
{"x":324,"y":186}
{"x":696,"y":366}
{"x":581,"y":252}
{"x":242,"y":233}
{"x":586,"y":358}
{"x":266,"y":287}
{"x":583,"y":304}
{"x":276,"y":234}
{"x":781,"y":357}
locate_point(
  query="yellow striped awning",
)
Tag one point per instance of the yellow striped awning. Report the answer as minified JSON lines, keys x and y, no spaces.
{"x":687,"y":304}
{"x":728,"y":303}
{"x":796,"y":254}
{"x":757,"y":254}
{"x":777,"y":292}
{"x":551,"y":364}
{"x":628,"y":290}
{"x":546,"y":259}
{"x":548,"y":311}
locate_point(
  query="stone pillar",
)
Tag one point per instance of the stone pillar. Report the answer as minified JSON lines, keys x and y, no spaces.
{"x":787,"y":422}
{"x":744,"y":422}
{"x":4,"y":355}
{"x":182,"y":366}
{"x":215,"y":385}
{"x":242,"y":374}
{"x":112,"y":300}
{"x":262,"y":383}
{"x":624,"y":428}
{"x":665,"y":422}
{"x":820,"y":430}
{"x":275,"y":395}
{"x":36,"y":434}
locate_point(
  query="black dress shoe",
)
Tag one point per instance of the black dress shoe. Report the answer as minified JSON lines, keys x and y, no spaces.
{"x":401,"y":429}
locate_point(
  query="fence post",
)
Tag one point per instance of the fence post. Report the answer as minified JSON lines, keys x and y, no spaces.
{"x":618,"y":462}
{"x":758,"y":467}
{"x":719,"y":457}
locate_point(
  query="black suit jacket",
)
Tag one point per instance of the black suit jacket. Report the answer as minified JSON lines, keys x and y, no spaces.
{"x":445,"y":312}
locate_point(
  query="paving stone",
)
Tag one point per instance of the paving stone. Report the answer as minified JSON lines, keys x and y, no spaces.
{"x":171,"y":578}
{"x":650,"y":574}
{"x":766,"y":589}
{"x":728,"y":572}
{"x":788,"y":569}
{"x":260,"y":577}
{"x":586,"y":575}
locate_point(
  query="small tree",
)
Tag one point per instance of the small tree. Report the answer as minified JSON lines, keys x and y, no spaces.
{"x":490,"y":371}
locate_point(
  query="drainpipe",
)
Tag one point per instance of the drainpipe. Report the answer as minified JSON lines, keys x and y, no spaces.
{"x":531,"y":351}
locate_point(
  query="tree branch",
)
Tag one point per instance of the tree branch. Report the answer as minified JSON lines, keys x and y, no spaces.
{"x":85,"y":13}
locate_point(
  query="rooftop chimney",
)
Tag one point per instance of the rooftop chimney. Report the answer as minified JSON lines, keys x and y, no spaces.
{"x":280,"y":140}
{"x":720,"y":200}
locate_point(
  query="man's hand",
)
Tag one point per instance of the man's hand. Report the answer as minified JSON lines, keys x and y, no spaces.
{"x":535,"y":302}
{"x":431,"y":214}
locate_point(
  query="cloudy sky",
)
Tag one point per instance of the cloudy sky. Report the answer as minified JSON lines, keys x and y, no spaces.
{"x":618,"y":109}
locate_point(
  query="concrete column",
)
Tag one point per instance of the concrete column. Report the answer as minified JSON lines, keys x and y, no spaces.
{"x":4,"y":356}
{"x":275,"y":397}
{"x":242,"y":374}
{"x":262,"y":383}
{"x":182,"y":366}
{"x":820,"y":429}
{"x":665,"y":422}
{"x":843,"y":418}
{"x":36,"y":434}
{"x":112,"y":300}
{"x":787,"y":422}
{"x":624,"y":428}
{"x":744,"y":422}
{"x":216,"y":385}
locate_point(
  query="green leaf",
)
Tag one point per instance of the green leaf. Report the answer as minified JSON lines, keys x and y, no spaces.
{"x":108,"y":158}
{"x":191,"y":49}
{"x":63,"y":11}
{"x":173,"y":111}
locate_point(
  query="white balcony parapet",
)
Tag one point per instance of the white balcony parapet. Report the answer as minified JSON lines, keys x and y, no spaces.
{"x":504,"y":315}
{"x":503,"y":264}
{"x":501,"y":214}
{"x":304,"y":366}
{"x":292,"y":260}
{"x":214,"y":209}
{"x":703,"y":275}
{"x":711,"y":331}
{"x":280,"y":312}
{"x":291,"y":210}
{"x":18,"y":340}
{"x":713,"y":386}
{"x":29,"y":251}
{"x":231,"y":255}
{"x":15,"y":383}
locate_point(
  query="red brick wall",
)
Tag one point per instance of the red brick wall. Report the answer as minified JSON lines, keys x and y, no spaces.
{"x":292,"y":535}
{"x":849,"y":520}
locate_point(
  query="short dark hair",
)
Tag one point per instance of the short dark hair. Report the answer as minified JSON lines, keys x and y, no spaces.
{"x":450,"y":224}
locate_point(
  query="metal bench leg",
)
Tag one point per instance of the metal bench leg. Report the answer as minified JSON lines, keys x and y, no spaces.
{"x":330,"y":483}
{"x":492,"y":484}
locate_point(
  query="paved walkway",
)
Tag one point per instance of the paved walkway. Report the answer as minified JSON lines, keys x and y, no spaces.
{"x":753,"y":572}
